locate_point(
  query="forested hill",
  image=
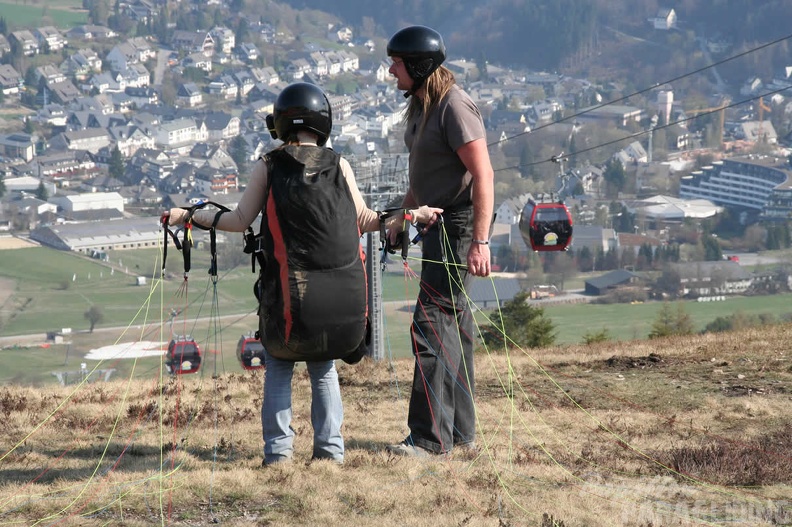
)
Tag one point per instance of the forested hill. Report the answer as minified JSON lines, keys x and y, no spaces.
{"x":542,"y":34}
{"x":534,"y":33}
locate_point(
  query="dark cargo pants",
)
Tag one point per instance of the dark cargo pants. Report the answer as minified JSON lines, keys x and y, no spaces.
{"x":442,"y":412}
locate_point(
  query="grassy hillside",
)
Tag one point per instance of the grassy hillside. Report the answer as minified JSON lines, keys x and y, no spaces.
{"x":50,"y":289}
{"x":634,"y":321}
{"x":45,"y":290}
{"x":683,"y":432}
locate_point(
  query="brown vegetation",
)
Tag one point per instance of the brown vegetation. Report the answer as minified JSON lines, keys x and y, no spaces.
{"x":680,"y":431}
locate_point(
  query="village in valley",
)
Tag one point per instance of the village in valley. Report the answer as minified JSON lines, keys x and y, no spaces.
{"x":102,"y":129}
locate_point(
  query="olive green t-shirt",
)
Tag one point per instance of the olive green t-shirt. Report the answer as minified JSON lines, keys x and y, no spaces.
{"x":438,"y":177}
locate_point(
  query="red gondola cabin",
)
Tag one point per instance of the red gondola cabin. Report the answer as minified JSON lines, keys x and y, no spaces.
{"x":546,"y":225}
{"x":250,"y":352}
{"x":183,"y":356}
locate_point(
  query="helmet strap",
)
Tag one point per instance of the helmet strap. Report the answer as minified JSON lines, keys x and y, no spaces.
{"x":418,"y":71}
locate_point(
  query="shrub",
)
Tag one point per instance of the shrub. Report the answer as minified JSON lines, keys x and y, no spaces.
{"x":593,"y":338}
{"x":670,"y":323}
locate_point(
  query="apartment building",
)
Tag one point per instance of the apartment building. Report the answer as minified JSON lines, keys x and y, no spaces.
{"x":757,"y":182}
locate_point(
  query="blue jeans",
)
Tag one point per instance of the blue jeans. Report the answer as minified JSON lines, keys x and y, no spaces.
{"x":327,"y":411}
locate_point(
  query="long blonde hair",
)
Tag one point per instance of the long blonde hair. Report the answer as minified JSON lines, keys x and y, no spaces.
{"x":437,"y":86}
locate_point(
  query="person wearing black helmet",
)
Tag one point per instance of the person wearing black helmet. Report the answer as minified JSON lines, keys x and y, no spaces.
{"x":450,"y":168}
{"x":301,"y":107}
{"x":302,"y":317}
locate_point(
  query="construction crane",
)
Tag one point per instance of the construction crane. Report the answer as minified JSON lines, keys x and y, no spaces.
{"x":721,"y":116}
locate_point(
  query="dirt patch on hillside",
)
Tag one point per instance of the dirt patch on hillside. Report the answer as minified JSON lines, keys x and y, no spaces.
{"x":760,"y":387}
{"x":733,"y":379}
{"x":653,"y":360}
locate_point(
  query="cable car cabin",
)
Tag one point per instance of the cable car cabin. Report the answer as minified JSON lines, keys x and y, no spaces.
{"x":183,"y":356}
{"x":250,"y":352}
{"x":546,"y":225}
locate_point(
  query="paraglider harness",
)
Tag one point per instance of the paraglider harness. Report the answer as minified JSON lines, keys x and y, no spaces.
{"x":186,"y":244}
{"x":403,"y":240}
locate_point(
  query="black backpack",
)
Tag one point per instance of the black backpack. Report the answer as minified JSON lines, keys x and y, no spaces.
{"x":312,"y":287}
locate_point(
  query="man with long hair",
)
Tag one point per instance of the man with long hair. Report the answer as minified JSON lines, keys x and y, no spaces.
{"x":450,"y":169}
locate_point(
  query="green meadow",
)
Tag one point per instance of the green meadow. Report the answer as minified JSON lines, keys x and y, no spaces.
{"x":44,"y":290}
{"x":64,"y":14}
{"x":53,"y":289}
{"x":634,"y":321}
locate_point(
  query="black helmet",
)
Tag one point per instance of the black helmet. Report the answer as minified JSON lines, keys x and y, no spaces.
{"x":301,"y":106}
{"x":422,"y":50}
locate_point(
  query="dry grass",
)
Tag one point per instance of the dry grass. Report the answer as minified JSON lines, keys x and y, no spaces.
{"x":12,"y":242}
{"x":686,"y":431}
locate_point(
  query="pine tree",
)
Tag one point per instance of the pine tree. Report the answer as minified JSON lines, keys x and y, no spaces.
{"x":614,"y":176}
{"x":239,"y":153}
{"x":524,"y":325}
{"x":41,"y":192}
{"x":242,"y":33}
{"x":712,"y":249}
{"x":663,"y":324}
{"x":116,"y":167}
{"x":671,"y":322}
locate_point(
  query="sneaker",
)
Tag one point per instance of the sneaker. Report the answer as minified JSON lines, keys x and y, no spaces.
{"x":403,"y":449}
